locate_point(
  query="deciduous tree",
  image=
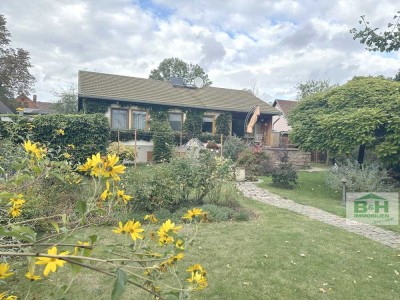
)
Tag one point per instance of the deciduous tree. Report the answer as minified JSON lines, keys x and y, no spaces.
{"x":67,"y":100}
{"x":388,"y":40}
{"x":305,"y":89}
{"x":397,"y":76}
{"x":363,"y":113}
{"x":14,"y":65}
{"x":175,"y":67}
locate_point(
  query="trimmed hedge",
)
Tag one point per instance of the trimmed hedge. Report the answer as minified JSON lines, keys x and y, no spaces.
{"x":88,"y":133}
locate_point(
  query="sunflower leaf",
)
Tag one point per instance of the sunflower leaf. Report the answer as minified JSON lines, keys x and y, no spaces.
{"x":119,"y":284}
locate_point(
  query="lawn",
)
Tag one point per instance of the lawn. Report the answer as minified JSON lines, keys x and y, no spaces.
{"x":311,"y":190}
{"x":278,"y":255}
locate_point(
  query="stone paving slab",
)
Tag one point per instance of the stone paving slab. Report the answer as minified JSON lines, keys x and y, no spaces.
{"x":385,"y":237}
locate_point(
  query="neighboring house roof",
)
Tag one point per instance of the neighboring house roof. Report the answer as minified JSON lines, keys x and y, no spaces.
{"x":4,"y":109}
{"x":35,"y":107}
{"x":284,"y":106}
{"x":148,"y":91}
{"x":26,"y":102}
{"x":45,"y":105}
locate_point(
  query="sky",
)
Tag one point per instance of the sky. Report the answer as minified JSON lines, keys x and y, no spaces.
{"x":268,"y":46}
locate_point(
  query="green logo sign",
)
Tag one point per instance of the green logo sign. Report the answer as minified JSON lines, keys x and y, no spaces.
{"x":373,"y":208}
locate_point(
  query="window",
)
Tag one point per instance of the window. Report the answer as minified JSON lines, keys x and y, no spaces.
{"x":119,"y":119}
{"x":138,"y":120}
{"x":175,"y":120}
{"x":208,"y":124}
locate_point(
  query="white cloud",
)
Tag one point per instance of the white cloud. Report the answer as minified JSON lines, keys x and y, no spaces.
{"x":273,"y":44}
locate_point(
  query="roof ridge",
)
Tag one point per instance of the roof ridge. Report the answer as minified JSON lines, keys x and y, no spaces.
{"x":286,"y":100}
{"x":127,"y":76}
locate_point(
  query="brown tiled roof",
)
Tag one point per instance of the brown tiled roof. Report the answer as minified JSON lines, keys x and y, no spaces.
{"x":285,"y":105}
{"x":26,"y":102}
{"x":41,"y":107}
{"x":149,"y":91}
{"x":45,"y":105}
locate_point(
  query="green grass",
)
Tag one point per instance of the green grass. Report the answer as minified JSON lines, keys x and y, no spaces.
{"x":311,"y":190}
{"x":262,"y":259}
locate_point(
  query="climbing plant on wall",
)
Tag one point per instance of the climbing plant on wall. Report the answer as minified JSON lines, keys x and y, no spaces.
{"x":163,"y":136}
{"x":223,"y":124}
{"x":194,"y":121}
{"x":163,"y":140}
{"x":95,"y":106}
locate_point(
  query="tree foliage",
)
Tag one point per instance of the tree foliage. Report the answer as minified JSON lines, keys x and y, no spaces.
{"x":67,"y":100}
{"x":254,"y":90}
{"x":363,"y":112}
{"x":313,"y":86}
{"x":175,"y":67}
{"x":397,"y":76}
{"x":14,"y":65}
{"x":7,"y":98}
{"x":386,"y":41}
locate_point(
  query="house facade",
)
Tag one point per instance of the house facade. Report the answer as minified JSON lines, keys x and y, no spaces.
{"x":280,"y":135}
{"x":280,"y":126}
{"x":128,"y":102}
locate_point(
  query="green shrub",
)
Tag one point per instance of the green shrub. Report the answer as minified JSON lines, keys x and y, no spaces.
{"x":9,"y":153}
{"x":212,"y":172}
{"x":228,"y":196}
{"x":184,"y":170}
{"x":218,"y":213}
{"x":255,"y":161}
{"x":212,"y":145}
{"x":232,"y":147}
{"x":55,"y":192}
{"x":163,"y":214}
{"x":15,"y":127}
{"x":205,"y":137}
{"x":153,"y":187}
{"x":372,"y":177}
{"x":284,"y":175}
{"x":184,"y":180}
{"x":121,"y":150}
{"x":242,"y":215}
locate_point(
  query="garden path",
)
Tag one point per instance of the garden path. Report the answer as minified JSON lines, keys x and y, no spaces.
{"x":385,"y":237}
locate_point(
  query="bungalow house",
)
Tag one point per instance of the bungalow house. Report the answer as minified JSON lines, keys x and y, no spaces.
{"x":128,"y":102}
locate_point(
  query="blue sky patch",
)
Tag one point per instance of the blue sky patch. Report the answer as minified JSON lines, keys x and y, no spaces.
{"x":158,"y":10}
